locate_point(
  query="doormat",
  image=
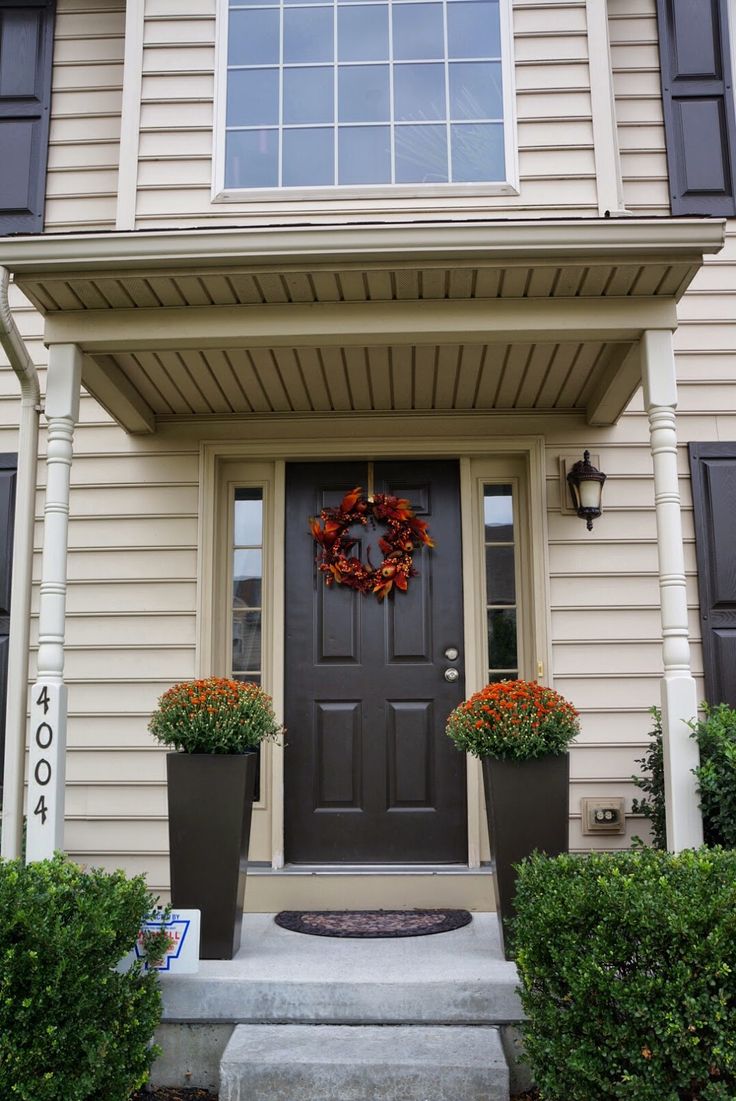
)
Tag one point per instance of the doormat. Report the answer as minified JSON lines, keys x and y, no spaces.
{"x":372,"y":923}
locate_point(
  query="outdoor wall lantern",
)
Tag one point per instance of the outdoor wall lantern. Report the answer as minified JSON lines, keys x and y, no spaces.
{"x":586,"y":487}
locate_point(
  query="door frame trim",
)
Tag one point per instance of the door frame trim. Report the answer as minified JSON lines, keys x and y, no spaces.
{"x":307,"y":443}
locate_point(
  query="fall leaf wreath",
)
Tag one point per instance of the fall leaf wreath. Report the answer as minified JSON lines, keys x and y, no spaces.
{"x":403,"y":533}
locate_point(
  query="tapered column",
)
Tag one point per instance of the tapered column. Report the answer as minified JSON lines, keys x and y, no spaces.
{"x":679,"y":696}
{"x":46,"y":766}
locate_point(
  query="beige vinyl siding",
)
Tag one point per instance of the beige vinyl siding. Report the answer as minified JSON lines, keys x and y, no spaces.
{"x":638,"y":95}
{"x":555,"y":136}
{"x":86,"y":96}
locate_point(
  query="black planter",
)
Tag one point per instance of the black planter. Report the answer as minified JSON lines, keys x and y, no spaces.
{"x":210,"y":806}
{"x":527,"y":803}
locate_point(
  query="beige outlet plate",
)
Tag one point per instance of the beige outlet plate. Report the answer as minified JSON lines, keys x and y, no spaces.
{"x":603,"y":815}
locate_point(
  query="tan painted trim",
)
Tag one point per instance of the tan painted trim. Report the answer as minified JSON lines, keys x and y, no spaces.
{"x":609,"y":184}
{"x":473,"y":641}
{"x":276,"y":659}
{"x":522,"y":466}
{"x":361,"y":323}
{"x":130,"y":120}
{"x":629,"y":240}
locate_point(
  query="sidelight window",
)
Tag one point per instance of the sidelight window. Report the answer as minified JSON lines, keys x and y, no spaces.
{"x":501,"y":595}
{"x":354,"y":93}
{"x":247,"y":591}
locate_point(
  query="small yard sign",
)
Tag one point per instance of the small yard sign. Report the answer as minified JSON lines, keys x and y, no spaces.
{"x":182,"y":953}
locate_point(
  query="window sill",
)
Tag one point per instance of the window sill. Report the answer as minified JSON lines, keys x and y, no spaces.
{"x":321,"y":195}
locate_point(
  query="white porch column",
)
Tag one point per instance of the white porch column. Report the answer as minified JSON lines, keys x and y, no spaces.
{"x":46,"y":765}
{"x":679,"y":696}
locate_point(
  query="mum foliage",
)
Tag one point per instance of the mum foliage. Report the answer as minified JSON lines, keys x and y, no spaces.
{"x":513,"y":720}
{"x":628,"y":983}
{"x":214,"y":715}
{"x":72,"y":1027}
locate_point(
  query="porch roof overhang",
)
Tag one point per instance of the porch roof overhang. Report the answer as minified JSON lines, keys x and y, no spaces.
{"x":512,"y":316}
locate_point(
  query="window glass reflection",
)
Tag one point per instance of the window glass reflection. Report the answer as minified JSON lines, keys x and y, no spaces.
{"x":419,"y":31}
{"x":419,"y":92}
{"x":362,"y":32}
{"x":253,"y":37}
{"x":309,"y":156}
{"x":477,"y":151}
{"x":252,"y":158}
{"x":421,"y":154}
{"x":364,"y":93}
{"x":253,"y":97}
{"x":309,"y":94}
{"x":364,"y":154}
{"x":308,"y":34}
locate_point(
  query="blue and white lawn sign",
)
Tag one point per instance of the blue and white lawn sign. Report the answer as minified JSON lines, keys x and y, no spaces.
{"x":182,"y":954}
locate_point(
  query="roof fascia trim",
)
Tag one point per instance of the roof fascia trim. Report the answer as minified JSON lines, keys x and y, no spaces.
{"x":489,"y":241}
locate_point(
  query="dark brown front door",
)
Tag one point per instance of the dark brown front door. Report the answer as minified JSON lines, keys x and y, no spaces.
{"x":370,"y":776}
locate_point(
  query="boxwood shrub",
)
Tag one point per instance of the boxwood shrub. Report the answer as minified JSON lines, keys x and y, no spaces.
{"x":627,"y":964}
{"x":72,"y":1028}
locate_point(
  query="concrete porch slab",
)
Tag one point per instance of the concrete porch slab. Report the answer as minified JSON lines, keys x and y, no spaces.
{"x":283,"y":977}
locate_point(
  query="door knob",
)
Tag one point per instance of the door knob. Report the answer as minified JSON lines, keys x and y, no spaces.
{"x":451,"y":675}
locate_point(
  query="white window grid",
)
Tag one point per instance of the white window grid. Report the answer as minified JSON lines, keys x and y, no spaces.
{"x":507,"y":121}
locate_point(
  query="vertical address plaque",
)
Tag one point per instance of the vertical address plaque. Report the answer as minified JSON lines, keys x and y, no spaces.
{"x":45,"y":813}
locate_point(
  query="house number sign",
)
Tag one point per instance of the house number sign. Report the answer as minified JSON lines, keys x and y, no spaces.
{"x":45,"y":812}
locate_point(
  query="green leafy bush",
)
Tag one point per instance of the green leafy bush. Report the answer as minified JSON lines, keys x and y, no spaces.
{"x":716,"y":738}
{"x":72,"y":1028}
{"x":214,"y":715}
{"x":628,"y":980}
{"x":652,"y":783}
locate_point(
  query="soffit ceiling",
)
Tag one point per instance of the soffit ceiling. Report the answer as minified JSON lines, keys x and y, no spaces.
{"x":440,"y":377}
{"x":355,"y":283}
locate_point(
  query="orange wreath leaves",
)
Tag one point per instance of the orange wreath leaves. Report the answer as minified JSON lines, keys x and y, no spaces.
{"x":403,"y":533}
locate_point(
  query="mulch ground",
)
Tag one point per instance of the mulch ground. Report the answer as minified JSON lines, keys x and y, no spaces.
{"x":203,"y":1095}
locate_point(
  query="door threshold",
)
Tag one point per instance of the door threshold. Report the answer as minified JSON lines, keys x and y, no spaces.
{"x":370,"y":870}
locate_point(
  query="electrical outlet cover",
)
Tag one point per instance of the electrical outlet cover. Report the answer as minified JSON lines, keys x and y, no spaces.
{"x":603,"y":815}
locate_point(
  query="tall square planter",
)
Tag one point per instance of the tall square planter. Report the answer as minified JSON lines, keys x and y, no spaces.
{"x":527,"y":803}
{"x":210,"y":807}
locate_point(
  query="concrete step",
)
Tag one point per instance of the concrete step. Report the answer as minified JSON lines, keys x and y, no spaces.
{"x":363,"y":1063}
{"x":457,"y":978}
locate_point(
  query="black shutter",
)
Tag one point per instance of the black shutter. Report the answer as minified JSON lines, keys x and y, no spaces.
{"x":713,"y":472}
{"x":7,"y":515}
{"x":697,"y":93}
{"x":26,"y":48}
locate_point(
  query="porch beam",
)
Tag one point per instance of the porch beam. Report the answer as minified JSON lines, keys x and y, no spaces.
{"x":615,"y":386}
{"x":679,"y":696}
{"x":117,"y":394}
{"x":360,"y":323}
{"x":47,"y":749}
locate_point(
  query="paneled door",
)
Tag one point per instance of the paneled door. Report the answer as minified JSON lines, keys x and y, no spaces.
{"x":370,"y":776}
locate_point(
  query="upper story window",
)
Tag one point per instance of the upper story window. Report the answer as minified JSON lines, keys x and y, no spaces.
{"x":365,"y":93}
